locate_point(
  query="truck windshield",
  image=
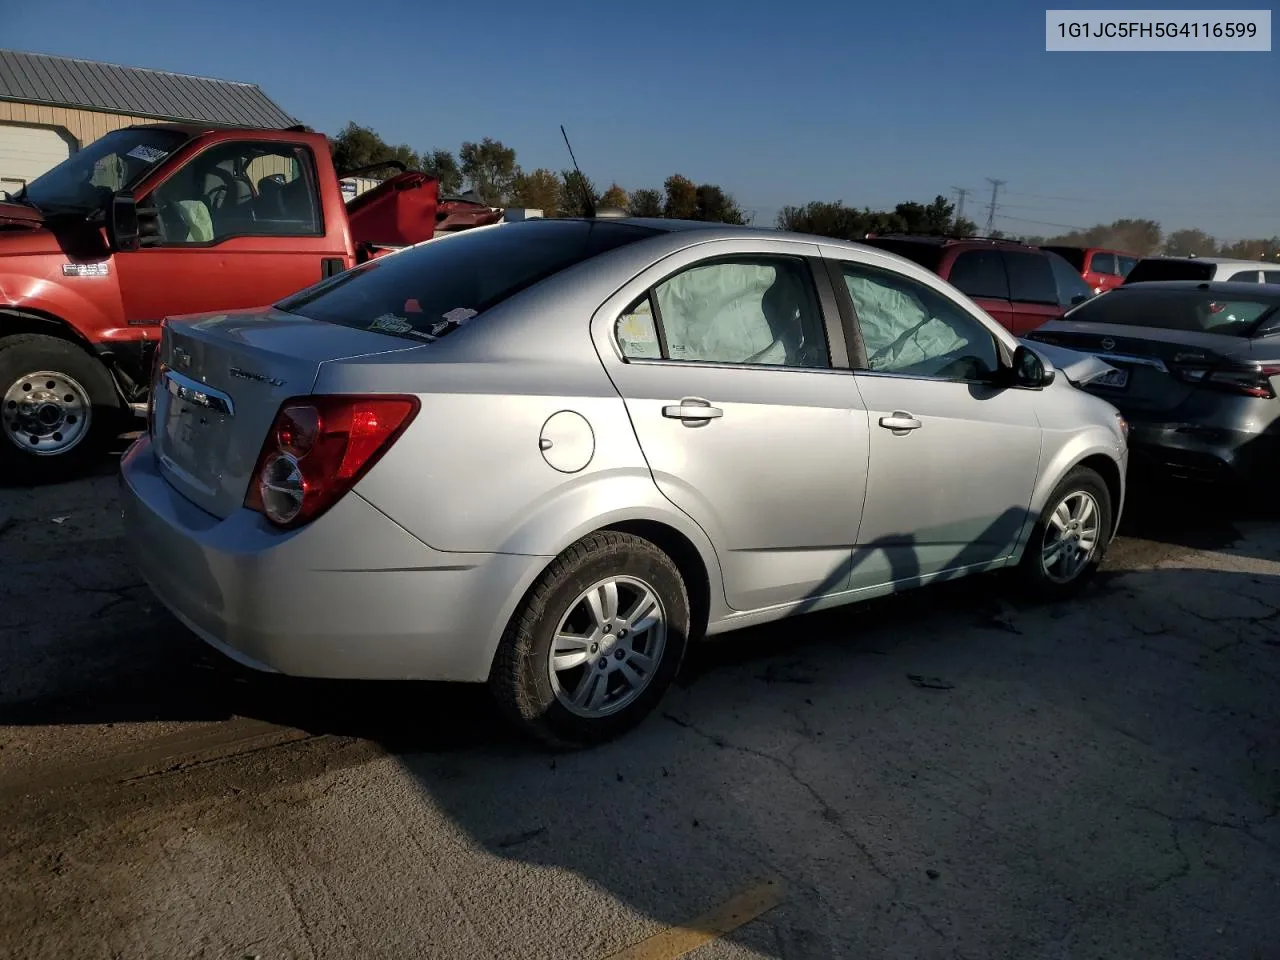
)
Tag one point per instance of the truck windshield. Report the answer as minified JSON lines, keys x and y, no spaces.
{"x":85,"y":181}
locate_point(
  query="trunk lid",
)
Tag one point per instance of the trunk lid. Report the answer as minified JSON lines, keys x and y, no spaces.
{"x":1079,"y":368}
{"x":1154,"y":365}
{"x":226,"y":376}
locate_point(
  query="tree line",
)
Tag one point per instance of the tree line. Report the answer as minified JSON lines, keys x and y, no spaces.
{"x":489,"y":170}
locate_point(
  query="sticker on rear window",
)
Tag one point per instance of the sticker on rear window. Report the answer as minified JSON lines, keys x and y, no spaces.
{"x":459,"y":315}
{"x":391,"y":323}
{"x":147,"y":154}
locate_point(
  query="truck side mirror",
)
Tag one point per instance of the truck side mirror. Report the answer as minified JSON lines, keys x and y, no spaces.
{"x":122,"y":223}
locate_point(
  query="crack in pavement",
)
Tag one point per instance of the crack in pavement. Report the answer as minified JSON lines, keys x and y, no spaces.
{"x":829,"y":813}
{"x":1244,"y":828}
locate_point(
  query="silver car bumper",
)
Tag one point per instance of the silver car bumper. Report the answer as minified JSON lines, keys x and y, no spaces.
{"x":351,"y":596}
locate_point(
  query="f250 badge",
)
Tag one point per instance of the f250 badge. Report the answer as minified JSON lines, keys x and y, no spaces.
{"x":255,"y":377}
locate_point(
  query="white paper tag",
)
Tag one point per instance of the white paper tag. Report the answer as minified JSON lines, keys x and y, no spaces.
{"x":147,"y":154}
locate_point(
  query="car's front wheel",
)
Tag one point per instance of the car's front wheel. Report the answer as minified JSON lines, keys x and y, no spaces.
{"x":596,"y":642}
{"x":1070,"y":538}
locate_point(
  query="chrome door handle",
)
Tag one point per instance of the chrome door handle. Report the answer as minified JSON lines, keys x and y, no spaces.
{"x":692,"y":408}
{"x":900,"y":422}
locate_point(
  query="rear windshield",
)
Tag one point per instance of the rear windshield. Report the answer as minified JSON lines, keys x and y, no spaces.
{"x":1157,"y":269}
{"x":1073,"y":256}
{"x":1195,"y":310}
{"x":928,"y":255}
{"x":432,"y":289}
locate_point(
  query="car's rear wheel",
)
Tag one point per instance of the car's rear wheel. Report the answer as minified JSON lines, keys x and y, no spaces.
{"x":596,"y":642}
{"x":1070,"y":539}
{"x":58,"y":407}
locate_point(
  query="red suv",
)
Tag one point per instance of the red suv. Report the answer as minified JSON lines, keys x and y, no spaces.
{"x":1101,"y":269}
{"x":1020,"y":286}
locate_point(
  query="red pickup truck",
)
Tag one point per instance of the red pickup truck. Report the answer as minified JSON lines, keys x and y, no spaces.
{"x":159,"y":220}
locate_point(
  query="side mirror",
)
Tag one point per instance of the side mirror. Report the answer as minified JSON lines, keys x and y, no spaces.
{"x":122,"y":223}
{"x":1029,"y":370}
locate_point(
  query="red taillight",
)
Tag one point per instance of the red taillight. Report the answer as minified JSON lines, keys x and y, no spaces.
{"x":1246,"y":379}
{"x":318,"y":448}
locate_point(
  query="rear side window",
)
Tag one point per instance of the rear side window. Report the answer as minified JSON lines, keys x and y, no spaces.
{"x":1155,"y":268}
{"x":980,"y":273}
{"x":432,"y":289}
{"x":1030,"y":278}
{"x":1190,"y":309}
{"x":739,"y":310}
{"x":1071,"y":286}
{"x":1245,"y":276}
{"x":1073,"y":256}
{"x":1103,"y":263}
{"x":1271,"y":276}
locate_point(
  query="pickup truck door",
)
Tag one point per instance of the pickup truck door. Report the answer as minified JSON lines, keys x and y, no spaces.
{"x":240,"y":225}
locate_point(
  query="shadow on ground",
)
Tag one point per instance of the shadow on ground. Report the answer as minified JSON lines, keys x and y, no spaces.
{"x":949,"y":772}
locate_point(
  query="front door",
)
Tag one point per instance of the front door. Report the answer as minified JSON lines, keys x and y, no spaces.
{"x":239,"y":226}
{"x":724,"y":365}
{"x":953,"y":460}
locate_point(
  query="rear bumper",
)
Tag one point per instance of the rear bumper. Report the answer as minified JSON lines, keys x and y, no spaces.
{"x":1191,"y":451}
{"x":351,"y":596}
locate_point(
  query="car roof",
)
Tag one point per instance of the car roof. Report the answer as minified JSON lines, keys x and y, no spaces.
{"x":1256,"y":264}
{"x":934,"y":241}
{"x":1230,"y":288}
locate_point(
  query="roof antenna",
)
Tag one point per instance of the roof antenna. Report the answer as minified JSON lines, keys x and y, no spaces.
{"x":582,"y":181}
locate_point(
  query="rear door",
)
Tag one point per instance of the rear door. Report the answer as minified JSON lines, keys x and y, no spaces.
{"x":1033,"y":291}
{"x":954,"y":459}
{"x":723,"y":355}
{"x":240,"y":226}
{"x":980,"y":274}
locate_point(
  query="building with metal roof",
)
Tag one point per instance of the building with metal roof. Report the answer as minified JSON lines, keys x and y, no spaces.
{"x":52,"y":106}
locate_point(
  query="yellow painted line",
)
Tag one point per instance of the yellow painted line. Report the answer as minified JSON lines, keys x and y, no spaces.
{"x":675,"y":942}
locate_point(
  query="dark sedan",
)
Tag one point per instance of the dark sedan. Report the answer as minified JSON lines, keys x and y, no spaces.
{"x":1196,"y":373}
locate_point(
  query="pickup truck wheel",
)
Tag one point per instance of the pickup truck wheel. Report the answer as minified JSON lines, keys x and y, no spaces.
{"x":597,"y":641}
{"x":58,"y":408}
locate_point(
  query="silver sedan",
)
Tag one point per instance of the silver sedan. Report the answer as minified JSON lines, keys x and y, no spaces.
{"x":547,"y":456}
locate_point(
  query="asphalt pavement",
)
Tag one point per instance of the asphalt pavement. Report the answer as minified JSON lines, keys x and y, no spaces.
{"x":949,"y":773}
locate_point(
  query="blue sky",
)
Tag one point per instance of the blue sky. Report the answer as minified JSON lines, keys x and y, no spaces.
{"x":779,"y":103}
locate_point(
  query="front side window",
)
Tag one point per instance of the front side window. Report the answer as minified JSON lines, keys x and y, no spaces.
{"x":1125,"y":264}
{"x":911,"y":329}
{"x":1030,"y":277}
{"x":1271,"y":276}
{"x":980,"y":273}
{"x":741,"y":310}
{"x":240,"y":190}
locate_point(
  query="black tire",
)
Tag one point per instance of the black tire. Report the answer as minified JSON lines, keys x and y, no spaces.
{"x":1035,"y":578}
{"x":520,"y":679}
{"x":25,"y":354}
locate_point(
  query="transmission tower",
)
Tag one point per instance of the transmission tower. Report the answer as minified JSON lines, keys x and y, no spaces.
{"x":961,"y":193}
{"x":991,"y":210}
